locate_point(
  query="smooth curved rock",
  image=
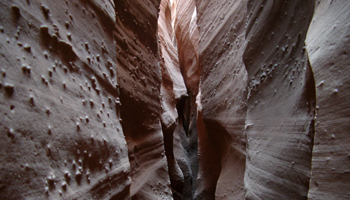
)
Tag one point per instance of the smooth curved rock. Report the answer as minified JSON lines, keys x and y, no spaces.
{"x":186,"y":138}
{"x":174,"y":99}
{"x":172,"y":90}
{"x":222,"y":100}
{"x":328,"y":46}
{"x":187,"y":36}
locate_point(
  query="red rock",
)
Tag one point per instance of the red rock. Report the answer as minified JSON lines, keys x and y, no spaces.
{"x":174,"y":99}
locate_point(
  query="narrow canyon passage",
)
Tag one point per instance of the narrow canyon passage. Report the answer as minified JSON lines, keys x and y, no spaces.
{"x":179,"y":49}
{"x":174,"y":99}
{"x":221,"y":144}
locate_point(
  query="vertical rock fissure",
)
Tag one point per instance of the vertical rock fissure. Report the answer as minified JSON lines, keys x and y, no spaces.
{"x":187,"y":35}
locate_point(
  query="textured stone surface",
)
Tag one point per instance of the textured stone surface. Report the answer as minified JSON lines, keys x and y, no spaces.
{"x":187,"y":36}
{"x":223,"y":99}
{"x":281,"y":100}
{"x":174,"y":99}
{"x":139,"y":75}
{"x":60,"y":134}
{"x":328,"y":46}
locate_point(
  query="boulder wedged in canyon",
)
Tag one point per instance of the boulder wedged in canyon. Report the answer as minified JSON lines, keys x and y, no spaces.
{"x":281,"y":100}
{"x":328,"y":47}
{"x":60,"y":134}
{"x":139,"y":78}
{"x":223,"y":81}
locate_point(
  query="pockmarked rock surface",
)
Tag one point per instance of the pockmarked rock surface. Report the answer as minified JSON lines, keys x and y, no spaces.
{"x":222,"y":99}
{"x":61,"y":136}
{"x":328,"y":47}
{"x":139,"y":77}
{"x":281,"y":100}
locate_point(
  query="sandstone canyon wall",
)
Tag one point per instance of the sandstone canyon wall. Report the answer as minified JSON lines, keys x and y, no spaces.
{"x":174,"y":99}
{"x":61,"y":136}
{"x":139,"y":76}
{"x":328,"y":45}
{"x":281,"y":100}
{"x":186,"y":34}
{"x":222,"y":99}
{"x":173,"y":89}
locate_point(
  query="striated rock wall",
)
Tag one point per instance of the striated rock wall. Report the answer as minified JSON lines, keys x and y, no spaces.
{"x":222,"y":99}
{"x":139,"y":77}
{"x":328,"y":47}
{"x":281,"y":100}
{"x":60,"y":134}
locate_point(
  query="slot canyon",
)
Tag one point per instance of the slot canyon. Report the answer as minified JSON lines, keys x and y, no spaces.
{"x":174,"y":99}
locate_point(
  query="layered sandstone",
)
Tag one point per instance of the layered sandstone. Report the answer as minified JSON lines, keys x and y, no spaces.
{"x":186,"y":137}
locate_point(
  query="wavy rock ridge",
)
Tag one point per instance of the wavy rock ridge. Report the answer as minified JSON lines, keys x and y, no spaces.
{"x":174,"y":99}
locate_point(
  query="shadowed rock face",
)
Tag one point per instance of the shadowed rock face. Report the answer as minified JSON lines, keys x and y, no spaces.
{"x":139,"y":74}
{"x":60,"y":134}
{"x":174,"y":99}
{"x":281,"y":100}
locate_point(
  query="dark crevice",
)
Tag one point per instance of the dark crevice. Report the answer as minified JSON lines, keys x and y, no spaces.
{"x":175,"y":181}
{"x":187,"y":131}
{"x":180,"y":107}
